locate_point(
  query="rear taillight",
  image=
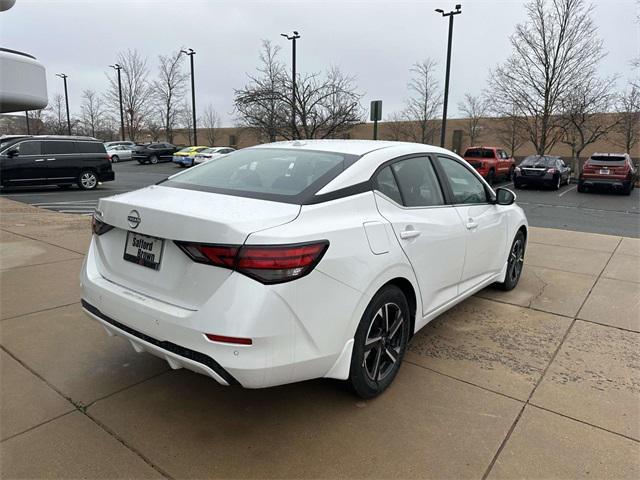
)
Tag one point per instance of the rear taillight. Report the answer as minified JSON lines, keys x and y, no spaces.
{"x":266,"y":263}
{"x":99,"y":227}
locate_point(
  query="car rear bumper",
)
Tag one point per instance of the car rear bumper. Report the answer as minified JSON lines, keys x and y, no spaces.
{"x":183,"y":160}
{"x":606,"y":182}
{"x":535,"y":180}
{"x":107,"y":176}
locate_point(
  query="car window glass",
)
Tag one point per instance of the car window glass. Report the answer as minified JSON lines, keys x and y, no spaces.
{"x":386,"y":183}
{"x":465,"y":186}
{"x":29,"y":148}
{"x":89,"y":147}
{"x":418,"y":182}
{"x":59,"y":147}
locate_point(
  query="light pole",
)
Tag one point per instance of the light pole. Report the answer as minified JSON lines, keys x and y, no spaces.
{"x":64,"y":77}
{"x":293,"y":38}
{"x":191,"y":53}
{"x":450,"y":14}
{"x":118,"y":68}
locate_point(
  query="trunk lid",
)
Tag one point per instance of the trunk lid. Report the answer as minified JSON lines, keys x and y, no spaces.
{"x":179,"y":214}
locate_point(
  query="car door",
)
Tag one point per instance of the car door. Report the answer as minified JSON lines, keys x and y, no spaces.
{"x":409,"y":196}
{"x":483,"y":220}
{"x":28,"y":167}
{"x":63,"y":160}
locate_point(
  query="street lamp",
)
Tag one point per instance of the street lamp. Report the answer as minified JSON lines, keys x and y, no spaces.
{"x":450,"y":14}
{"x":66,"y":99}
{"x":118,"y":68}
{"x":191,"y":53}
{"x":293,"y":38}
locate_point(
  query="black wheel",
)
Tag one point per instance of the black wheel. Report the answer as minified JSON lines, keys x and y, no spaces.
{"x":380,"y":342}
{"x":141,"y":162}
{"x":88,"y":180}
{"x":627,"y":190}
{"x":114,"y":158}
{"x":153,"y":159}
{"x":510,"y":175}
{"x":514,"y":263}
{"x":517,"y":185}
{"x":491,"y":177}
{"x":581,"y":187}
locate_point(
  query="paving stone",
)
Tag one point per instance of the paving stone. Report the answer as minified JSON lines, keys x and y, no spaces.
{"x":629,"y":246}
{"x":588,"y":262}
{"x":75,"y":354}
{"x":546,"y":445}
{"x":25,"y":400}
{"x":623,"y":267}
{"x":71,"y":446}
{"x":568,"y":238}
{"x":596,"y":378}
{"x":17,"y":251}
{"x":192,"y":427}
{"x":497,"y":346}
{"x":615,"y":303}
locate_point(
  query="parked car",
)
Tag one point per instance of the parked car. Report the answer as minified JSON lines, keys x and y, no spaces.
{"x":611,"y":170}
{"x":127,"y":143}
{"x":211,"y":153}
{"x":119,"y":153}
{"x":153,"y":153}
{"x":54,"y":160}
{"x":490,"y":162}
{"x":295,"y":260}
{"x":184,"y":157}
{"x":542,"y":170}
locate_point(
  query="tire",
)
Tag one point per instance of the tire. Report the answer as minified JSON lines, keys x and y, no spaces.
{"x":141,"y":162}
{"x":491,"y":177}
{"x":517,"y":185}
{"x":627,"y":191}
{"x":114,"y":158}
{"x":514,"y":263}
{"x":581,"y":187}
{"x":153,"y":159}
{"x":510,"y":175}
{"x":88,"y":180}
{"x":373,"y":366}
{"x":558,"y":184}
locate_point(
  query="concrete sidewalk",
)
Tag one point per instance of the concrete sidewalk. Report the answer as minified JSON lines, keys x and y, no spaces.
{"x":540,"y":382}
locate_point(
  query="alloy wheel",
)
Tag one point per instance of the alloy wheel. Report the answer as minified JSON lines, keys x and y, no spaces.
{"x":88,"y":180}
{"x":383,"y":343}
{"x":516,"y":260}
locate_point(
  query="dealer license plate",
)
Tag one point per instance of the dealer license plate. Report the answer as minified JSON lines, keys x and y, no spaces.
{"x":143,"y":250}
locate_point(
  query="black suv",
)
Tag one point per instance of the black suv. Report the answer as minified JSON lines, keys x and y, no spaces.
{"x":153,"y":153}
{"x":53,"y":160}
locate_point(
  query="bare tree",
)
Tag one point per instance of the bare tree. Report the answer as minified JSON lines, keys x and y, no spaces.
{"x":511,"y":130}
{"x":553,"y":51}
{"x":92,"y":111}
{"x":474,"y":108}
{"x":210,"y":122}
{"x":170,"y":89}
{"x":56,"y":120}
{"x":417,"y":122}
{"x":186,"y":121}
{"x":37,"y":119}
{"x":584,"y":113}
{"x":628,"y":127}
{"x":137,"y":92}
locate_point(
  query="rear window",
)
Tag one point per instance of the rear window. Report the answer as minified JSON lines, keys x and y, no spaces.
{"x":271,"y":174}
{"x":479,"y":153}
{"x":58,"y":147}
{"x":535,"y":161}
{"x":607,"y":158}
{"x":90,"y":147}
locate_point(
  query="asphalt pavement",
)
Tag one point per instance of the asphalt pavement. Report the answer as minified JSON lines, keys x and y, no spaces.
{"x":605,"y":212}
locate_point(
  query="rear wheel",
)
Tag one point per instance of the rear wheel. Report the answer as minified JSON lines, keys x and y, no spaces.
{"x":88,"y":180}
{"x":627,"y":190}
{"x":581,"y":187}
{"x":510,"y":175}
{"x":115,"y":158}
{"x":153,"y":159}
{"x":142,"y":162}
{"x":514,"y":263}
{"x":380,"y":342}
{"x":558,"y":183}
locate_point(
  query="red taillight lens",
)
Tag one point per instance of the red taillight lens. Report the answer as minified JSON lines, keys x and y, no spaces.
{"x":225,"y":339}
{"x":99,"y":227}
{"x":266,"y":263}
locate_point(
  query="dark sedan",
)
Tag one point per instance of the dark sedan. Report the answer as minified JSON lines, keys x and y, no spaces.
{"x":542,"y":170}
{"x":153,"y":153}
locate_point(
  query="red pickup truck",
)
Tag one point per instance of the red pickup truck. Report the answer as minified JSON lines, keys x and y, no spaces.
{"x":490,"y":162}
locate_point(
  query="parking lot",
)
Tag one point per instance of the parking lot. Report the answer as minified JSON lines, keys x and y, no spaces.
{"x":602,"y":212}
{"x":539,"y":382}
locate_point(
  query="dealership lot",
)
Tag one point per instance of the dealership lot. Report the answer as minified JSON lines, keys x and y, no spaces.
{"x":516,"y":384}
{"x":606,"y":213}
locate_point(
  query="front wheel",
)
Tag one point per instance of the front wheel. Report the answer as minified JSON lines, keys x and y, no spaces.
{"x":515,"y":263}
{"x":380,"y":342}
{"x":491,"y":177}
{"x":114,"y":158}
{"x":154,"y":159}
{"x":88,"y":180}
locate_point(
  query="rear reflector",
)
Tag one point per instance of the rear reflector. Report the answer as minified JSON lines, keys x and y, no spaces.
{"x":266,"y":263}
{"x":225,"y":339}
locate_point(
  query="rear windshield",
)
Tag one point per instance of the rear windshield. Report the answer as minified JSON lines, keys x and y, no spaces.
{"x":608,"y":159}
{"x":90,"y":147}
{"x":268,"y":173}
{"x":479,"y":153}
{"x":535,"y":161}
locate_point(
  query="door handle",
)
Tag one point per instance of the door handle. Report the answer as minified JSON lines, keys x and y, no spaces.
{"x":407,"y":234}
{"x":471,"y":225}
{"x":50,"y":159}
{"x":40,"y":160}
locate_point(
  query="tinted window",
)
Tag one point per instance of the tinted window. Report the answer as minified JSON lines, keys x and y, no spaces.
{"x":418,"y":183}
{"x":90,"y":147}
{"x":386,"y":183}
{"x":479,"y":153}
{"x":30,"y":148}
{"x":537,"y":161}
{"x":264,"y":171}
{"x":465,"y":186}
{"x":59,"y":147}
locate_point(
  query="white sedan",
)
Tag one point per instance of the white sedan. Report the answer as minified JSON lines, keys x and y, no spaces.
{"x":211,"y":154}
{"x":296,"y":260}
{"x":118,"y":153}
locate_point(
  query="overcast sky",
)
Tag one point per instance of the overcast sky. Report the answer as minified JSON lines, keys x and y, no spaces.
{"x":376,"y":41}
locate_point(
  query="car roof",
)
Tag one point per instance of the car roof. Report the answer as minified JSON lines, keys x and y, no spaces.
{"x":56,"y":137}
{"x":348,"y":147}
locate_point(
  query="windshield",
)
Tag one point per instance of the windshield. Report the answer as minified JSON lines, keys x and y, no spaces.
{"x":209,"y":150}
{"x":479,"y":153}
{"x":539,"y":162}
{"x":269,"y":173}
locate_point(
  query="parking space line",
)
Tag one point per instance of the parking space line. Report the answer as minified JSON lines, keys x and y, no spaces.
{"x":567,"y":190}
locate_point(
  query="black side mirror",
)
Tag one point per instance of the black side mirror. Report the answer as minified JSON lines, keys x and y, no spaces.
{"x":13,"y":152}
{"x":504,"y":196}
